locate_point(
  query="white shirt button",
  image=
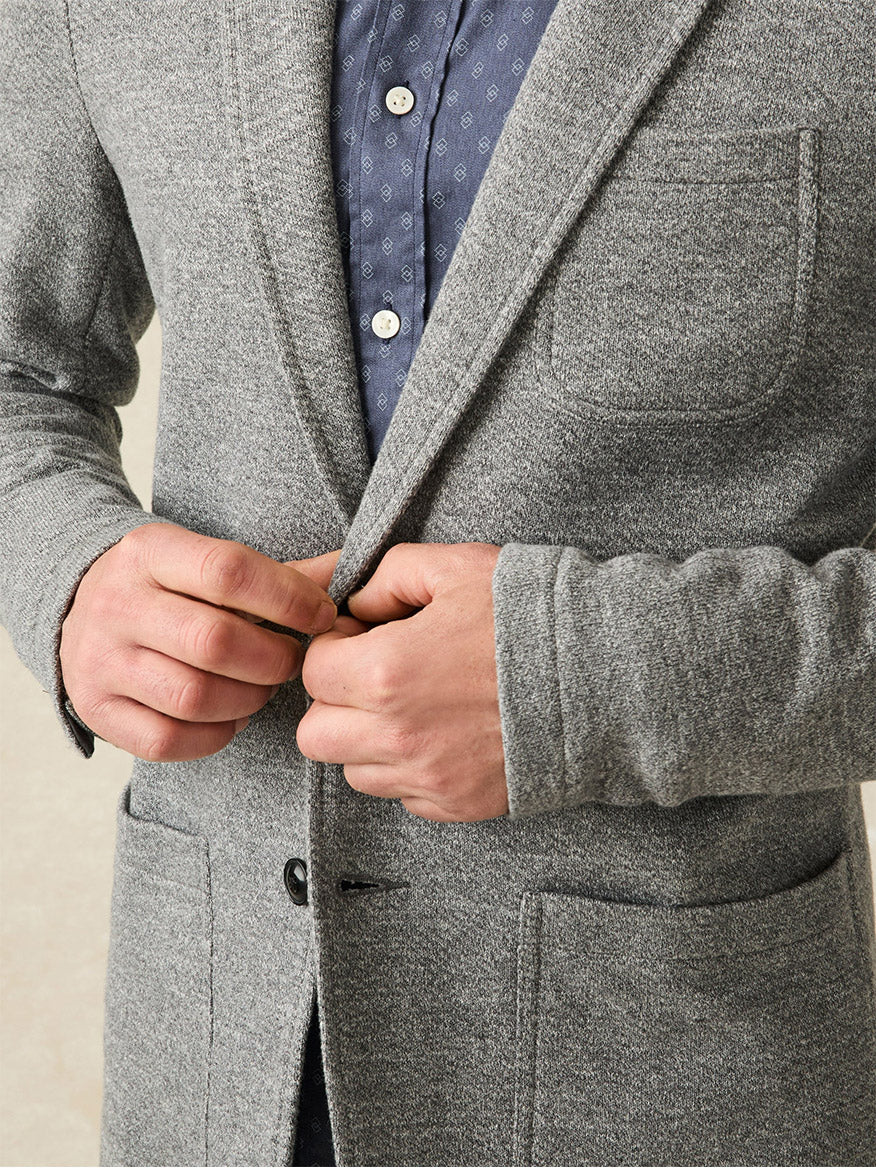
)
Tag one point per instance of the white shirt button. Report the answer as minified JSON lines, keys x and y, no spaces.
{"x":399,"y":100}
{"x":385,"y":323}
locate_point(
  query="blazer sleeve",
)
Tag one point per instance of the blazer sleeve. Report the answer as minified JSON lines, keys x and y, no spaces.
{"x":74,"y":299}
{"x":635,"y":679}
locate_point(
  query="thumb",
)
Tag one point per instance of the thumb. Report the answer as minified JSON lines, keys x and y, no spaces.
{"x":406,"y":579}
{"x":318,"y":568}
{"x":343,"y":628}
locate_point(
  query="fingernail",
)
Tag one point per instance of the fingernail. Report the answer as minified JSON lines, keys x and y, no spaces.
{"x":325,"y":617}
{"x":240,"y":724}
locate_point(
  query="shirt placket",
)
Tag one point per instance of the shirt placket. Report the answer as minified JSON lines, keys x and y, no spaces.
{"x":398,"y":96}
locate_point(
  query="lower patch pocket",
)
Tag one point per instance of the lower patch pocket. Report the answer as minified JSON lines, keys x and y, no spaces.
{"x":732,"y":1033}
{"x":158,"y":1015}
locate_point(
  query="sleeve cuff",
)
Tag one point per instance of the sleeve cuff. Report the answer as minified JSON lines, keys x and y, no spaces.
{"x":530,"y":703}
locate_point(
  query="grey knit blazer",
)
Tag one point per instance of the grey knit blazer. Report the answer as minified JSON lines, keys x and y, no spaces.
{"x":650,"y":375}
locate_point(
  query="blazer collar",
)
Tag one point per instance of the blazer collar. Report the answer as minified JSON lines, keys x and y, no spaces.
{"x":593,"y":73}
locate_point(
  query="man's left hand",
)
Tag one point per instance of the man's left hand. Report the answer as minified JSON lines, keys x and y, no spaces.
{"x":404,"y":692}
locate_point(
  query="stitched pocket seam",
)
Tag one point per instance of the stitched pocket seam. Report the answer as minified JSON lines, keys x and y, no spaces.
{"x":805,"y":243}
{"x":528,"y":979}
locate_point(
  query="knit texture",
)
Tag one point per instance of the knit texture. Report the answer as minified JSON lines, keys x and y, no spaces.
{"x":650,"y":376}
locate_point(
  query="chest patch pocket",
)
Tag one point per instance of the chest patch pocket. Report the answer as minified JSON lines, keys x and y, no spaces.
{"x":685,"y":288}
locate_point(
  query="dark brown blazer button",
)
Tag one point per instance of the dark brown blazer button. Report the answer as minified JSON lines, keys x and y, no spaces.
{"x":295,"y":879}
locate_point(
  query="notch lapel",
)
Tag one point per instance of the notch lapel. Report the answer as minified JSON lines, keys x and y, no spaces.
{"x":594,"y":71}
{"x":278,"y":65}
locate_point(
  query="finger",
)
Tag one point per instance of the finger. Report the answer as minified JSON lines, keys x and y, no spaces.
{"x":235,"y":576}
{"x":382,"y":781}
{"x":425,"y":809}
{"x":340,"y":734}
{"x":176,"y":689}
{"x":215,"y":640}
{"x":318,"y":568}
{"x":156,"y":737}
{"x":336,"y":666}
{"x":343,"y":628}
{"x":403,"y":581}
{"x":411,"y":574}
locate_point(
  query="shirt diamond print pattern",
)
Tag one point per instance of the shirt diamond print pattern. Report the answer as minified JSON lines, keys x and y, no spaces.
{"x":405,"y":182}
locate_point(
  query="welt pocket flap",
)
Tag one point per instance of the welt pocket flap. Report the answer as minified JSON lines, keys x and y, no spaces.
{"x":162,"y":852}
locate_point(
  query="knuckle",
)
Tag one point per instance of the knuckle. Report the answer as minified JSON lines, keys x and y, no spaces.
{"x":137,"y":546}
{"x":211,"y":639}
{"x":134,"y":544}
{"x":402,"y":741}
{"x":86,"y":703}
{"x":190,"y":698}
{"x":381,"y":679}
{"x":311,"y":673}
{"x":86,"y":672}
{"x":138,"y":537}
{"x":96,"y":707}
{"x":397,"y":552}
{"x":367,"y":783}
{"x":307,"y":736}
{"x":224,"y":569}
{"x":434,"y":780}
{"x":157,"y":744}
{"x":104,"y":665}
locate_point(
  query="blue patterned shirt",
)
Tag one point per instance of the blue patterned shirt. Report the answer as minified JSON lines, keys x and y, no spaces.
{"x":421,"y":89}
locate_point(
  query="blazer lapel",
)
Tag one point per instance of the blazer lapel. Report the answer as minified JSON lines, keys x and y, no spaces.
{"x":592,"y":75}
{"x":278,"y":60}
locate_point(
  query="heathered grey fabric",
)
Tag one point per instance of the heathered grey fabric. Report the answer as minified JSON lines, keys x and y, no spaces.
{"x":665,"y":954}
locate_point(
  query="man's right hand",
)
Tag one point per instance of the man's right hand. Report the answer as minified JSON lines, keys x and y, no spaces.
{"x":155,"y":654}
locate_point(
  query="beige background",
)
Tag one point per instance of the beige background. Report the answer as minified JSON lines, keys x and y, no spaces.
{"x":57,"y":821}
